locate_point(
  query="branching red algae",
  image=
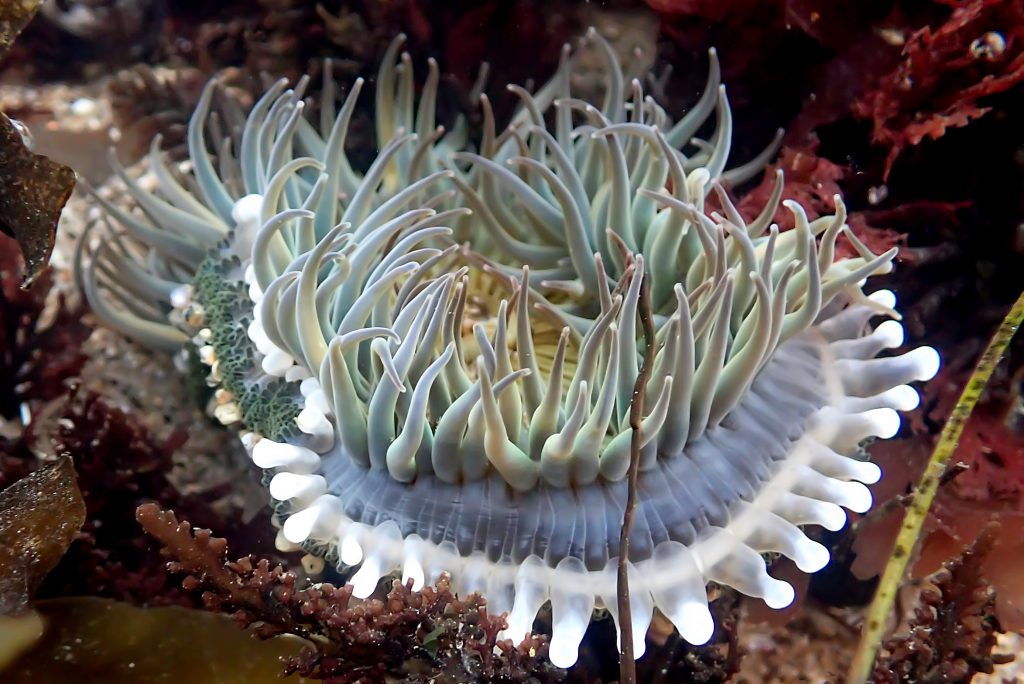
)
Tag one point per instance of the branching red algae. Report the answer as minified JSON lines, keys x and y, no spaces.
{"x":420,"y":635}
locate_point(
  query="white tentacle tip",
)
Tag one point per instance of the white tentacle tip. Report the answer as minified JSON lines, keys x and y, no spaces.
{"x":299,"y":526}
{"x":926,"y":361}
{"x":868,"y":472}
{"x":812,"y":556}
{"x":639,"y":643}
{"x":778,"y":594}
{"x":518,"y":628}
{"x":255,"y":293}
{"x":247,"y":209}
{"x":318,"y":400}
{"x":267,"y":453}
{"x":413,"y":570}
{"x":695,"y":624}
{"x":856,"y":497}
{"x":885,"y":422}
{"x":296,"y":374}
{"x":277,"y":363}
{"x":249,"y":440}
{"x":249,"y":274}
{"x":285,"y":486}
{"x":832,"y":517}
{"x":311,"y":421}
{"x":350,"y":552}
{"x":314,"y":423}
{"x":365,"y":580}
{"x":564,"y":647}
{"x":903,"y":398}
{"x":308,"y":386}
{"x":561,"y":655}
{"x":886,"y":298}
{"x":258,"y":335}
{"x":181,"y":296}
{"x":890,"y":334}
{"x":282,"y":544}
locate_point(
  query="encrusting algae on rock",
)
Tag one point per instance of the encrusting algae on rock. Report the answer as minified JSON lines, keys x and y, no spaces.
{"x":434,"y":359}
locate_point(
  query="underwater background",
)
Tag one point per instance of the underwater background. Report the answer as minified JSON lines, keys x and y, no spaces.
{"x":114,"y":460}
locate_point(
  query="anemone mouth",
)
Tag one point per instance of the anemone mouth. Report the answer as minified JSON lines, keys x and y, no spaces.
{"x":489,"y":296}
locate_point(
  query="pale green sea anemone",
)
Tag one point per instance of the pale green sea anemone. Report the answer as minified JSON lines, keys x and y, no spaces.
{"x":435,"y":359}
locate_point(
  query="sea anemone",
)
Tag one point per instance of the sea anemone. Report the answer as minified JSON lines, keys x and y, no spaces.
{"x":435,"y":360}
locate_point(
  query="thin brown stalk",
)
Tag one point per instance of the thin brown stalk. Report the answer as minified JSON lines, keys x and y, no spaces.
{"x":627,"y":664}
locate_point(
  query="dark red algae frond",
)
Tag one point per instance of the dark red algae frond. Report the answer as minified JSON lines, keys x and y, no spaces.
{"x":38,"y":353}
{"x":120,"y":465}
{"x":417,"y":635}
{"x":815,"y":181}
{"x":946,"y":73}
